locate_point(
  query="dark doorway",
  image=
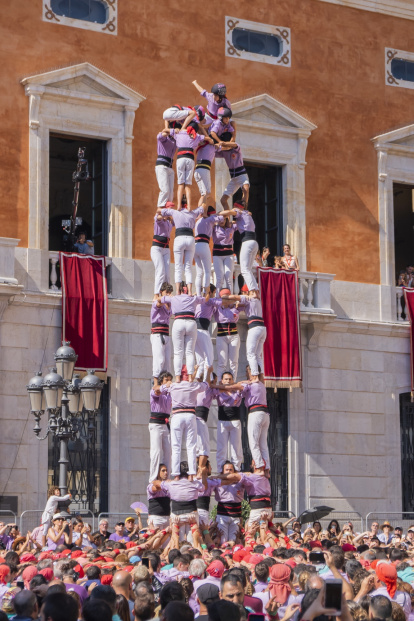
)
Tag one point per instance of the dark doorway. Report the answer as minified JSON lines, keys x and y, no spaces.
{"x":266,"y":205}
{"x":277,"y":440}
{"x":403,"y":227}
{"x":93,"y":207}
{"x":88,"y":460}
{"x":407,"y":451}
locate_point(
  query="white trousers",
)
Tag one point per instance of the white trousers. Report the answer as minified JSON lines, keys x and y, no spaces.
{"x":228,"y":354}
{"x":174,"y":114}
{"x":165,"y":179}
{"x":161,"y":260}
{"x":185,"y":522}
{"x":183,"y":426}
{"x":229,"y":433}
{"x":185,"y":170}
{"x":228,"y":527}
{"x":202,"y":258}
{"x":203,"y":517}
{"x":184,"y":335}
{"x":160,"y":449}
{"x":204,"y":352}
{"x":224,"y":268}
{"x":257,"y":428}
{"x":203,"y":180}
{"x":248,"y":252}
{"x":235,"y":183}
{"x":254,"y":348}
{"x":257,"y":514}
{"x":184,"y":249}
{"x":158,"y":521}
{"x":203,"y":438}
{"x":161,"y":354}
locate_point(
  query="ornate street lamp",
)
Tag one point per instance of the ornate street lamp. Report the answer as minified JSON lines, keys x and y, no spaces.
{"x":63,"y":397}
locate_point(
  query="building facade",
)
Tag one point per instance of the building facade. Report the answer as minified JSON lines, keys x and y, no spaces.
{"x":321,"y":93}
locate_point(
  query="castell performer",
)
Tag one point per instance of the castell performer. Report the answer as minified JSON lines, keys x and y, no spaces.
{"x":184,"y":222}
{"x":187,"y":141}
{"x":204,"y":498}
{"x":160,"y":249}
{"x":222,"y":130}
{"x":238,"y":174}
{"x":160,"y":331}
{"x":181,"y":116}
{"x":227,"y":340}
{"x":183,"y":419}
{"x":204,"y":347}
{"x":249,"y":248}
{"x":166,"y":147}
{"x":229,"y":506}
{"x":160,"y":443}
{"x":203,"y":404}
{"x":229,"y":432}
{"x":158,"y":501}
{"x":255,"y":400}
{"x":205,"y":155}
{"x":256,"y":330}
{"x":215,"y":99}
{"x":223,"y":261}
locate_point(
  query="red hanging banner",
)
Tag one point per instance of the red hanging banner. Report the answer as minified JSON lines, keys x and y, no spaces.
{"x":85,"y":308}
{"x":279,"y":291}
{"x":409,"y":309}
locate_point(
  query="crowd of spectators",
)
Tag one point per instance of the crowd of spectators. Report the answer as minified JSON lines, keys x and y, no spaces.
{"x":281,"y":571}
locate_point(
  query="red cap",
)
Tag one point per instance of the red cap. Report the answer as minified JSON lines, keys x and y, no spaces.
{"x":291,"y":562}
{"x":255,"y":558}
{"x":79,"y":570}
{"x":348,"y":547}
{"x":268,"y":551}
{"x":106,"y":579}
{"x":44,"y":555}
{"x":117,"y":551}
{"x":130,"y":544}
{"x":169,"y":205}
{"x":315,"y":544}
{"x":245,"y":288}
{"x":216,"y":569}
{"x":224,"y":292}
{"x":240,"y":555}
{"x":28,"y":558}
{"x":128,"y":568}
{"x":47,"y":572}
{"x":76,"y":554}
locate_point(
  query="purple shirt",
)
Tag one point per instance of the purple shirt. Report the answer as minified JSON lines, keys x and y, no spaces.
{"x":115,"y":537}
{"x":219,"y":128}
{"x":166,"y":145}
{"x":232,"y":157}
{"x":79,"y":589}
{"x":252,"y":306}
{"x":206,"y":308}
{"x":182,"y":303}
{"x":213,"y":105}
{"x":207,"y":151}
{"x":256,"y":484}
{"x":162,"y":227}
{"x":229,"y":399}
{"x":183,"y":490}
{"x":228,"y":493}
{"x":184,"y":394}
{"x":158,"y":494}
{"x":244,"y":221}
{"x":183,"y":218}
{"x":8,"y":541}
{"x":211,"y":485}
{"x":160,"y":403}
{"x":205,"y":226}
{"x":226,"y":314}
{"x":254,"y":394}
{"x":223,"y":235}
{"x":160,"y":314}
{"x":205,"y":397}
{"x":185,"y":141}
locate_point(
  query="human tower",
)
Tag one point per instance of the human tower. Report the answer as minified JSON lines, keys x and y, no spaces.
{"x":179,"y":492}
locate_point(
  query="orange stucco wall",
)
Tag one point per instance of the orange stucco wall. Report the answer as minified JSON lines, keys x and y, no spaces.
{"x":336,"y":80}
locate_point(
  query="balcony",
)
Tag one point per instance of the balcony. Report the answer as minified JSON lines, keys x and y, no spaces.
{"x":401,"y":310}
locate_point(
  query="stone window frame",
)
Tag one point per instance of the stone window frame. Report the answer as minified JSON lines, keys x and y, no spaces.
{"x":396,"y":8}
{"x":110,"y":27}
{"x":282,"y":32}
{"x":270,"y":132}
{"x":82,"y":100}
{"x":390,"y":80}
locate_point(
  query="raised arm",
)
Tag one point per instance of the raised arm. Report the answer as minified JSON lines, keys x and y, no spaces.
{"x":229,"y":479}
{"x":198,"y":87}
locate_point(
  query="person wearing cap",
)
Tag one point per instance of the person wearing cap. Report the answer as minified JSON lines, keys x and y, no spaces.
{"x":249,"y":247}
{"x":57,"y":534}
{"x":206,"y":594}
{"x":202,"y":256}
{"x":385,"y":583}
{"x":216,"y":99}
{"x":226,"y":315}
{"x":204,"y":351}
{"x":222,"y":130}
{"x":160,"y":441}
{"x":229,"y":433}
{"x":164,"y":172}
{"x":223,"y":253}
{"x":119,"y":534}
{"x":160,"y":248}
{"x":159,"y":503}
{"x":386,"y":535}
{"x":132,"y":529}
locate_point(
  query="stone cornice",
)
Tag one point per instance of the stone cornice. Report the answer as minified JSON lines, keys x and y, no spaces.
{"x":396,"y":8}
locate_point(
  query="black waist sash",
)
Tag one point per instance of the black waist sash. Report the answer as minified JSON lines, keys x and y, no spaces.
{"x":228,"y":413}
{"x":258,"y":406}
{"x":187,"y":506}
{"x":203,"y":502}
{"x":254,"y":321}
{"x":160,"y":328}
{"x":180,"y":232}
{"x":232,"y":509}
{"x":201,"y":237}
{"x":260,"y":502}
{"x":247,"y":235}
{"x":185,"y":152}
{"x":159,"y":506}
{"x":183,"y":410}
{"x":202,"y":412}
{"x":225,"y":329}
{"x":236,"y":172}
{"x":164,"y":160}
{"x":203,"y":323}
{"x":160,"y":418}
{"x":203,"y":164}
{"x":222,"y":251}
{"x":185,"y":315}
{"x":160,"y":241}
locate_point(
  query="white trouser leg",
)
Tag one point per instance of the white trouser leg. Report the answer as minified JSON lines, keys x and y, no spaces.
{"x":204,"y":352}
{"x":233,"y":349}
{"x":166,"y":448}
{"x":165,"y":179}
{"x":183,"y":256}
{"x":189,"y":344}
{"x":218,"y":263}
{"x":254,"y":348}
{"x":203,"y":180}
{"x":176,"y":428}
{"x":161,"y":260}
{"x":222,"y":348}
{"x":184,"y":335}
{"x":203,"y":266}
{"x":203,"y":438}
{"x":223,"y":525}
{"x":161,"y":353}
{"x":159,"y":521}
{"x":248,"y":252}
{"x":257,"y":514}
{"x":257,"y":427}
{"x":233,"y":528}
{"x":183,"y":426}
{"x":223,"y":435}
{"x":155,"y":432}
{"x":224,"y":268}
{"x":228,"y":272}
{"x":203,"y":517}
{"x":235,"y":439}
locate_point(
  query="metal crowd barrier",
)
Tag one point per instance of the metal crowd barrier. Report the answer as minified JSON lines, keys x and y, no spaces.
{"x":113,"y":518}
{"x":31,"y":518}
{"x":342,"y":517}
{"x":395,"y":518}
{"x":8,"y":516}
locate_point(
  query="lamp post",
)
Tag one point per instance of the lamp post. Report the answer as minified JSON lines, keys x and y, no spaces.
{"x":63,"y":395}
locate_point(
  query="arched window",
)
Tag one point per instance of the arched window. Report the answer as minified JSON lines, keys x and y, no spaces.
{"x":402,"y":69}
{"x":87,"y":10}
{"x":256,"y":42}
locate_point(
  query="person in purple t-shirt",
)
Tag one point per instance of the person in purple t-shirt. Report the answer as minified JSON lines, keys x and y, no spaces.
{"x":181,"y":116}
{"x":160,"y":332}
{"x":160,"y":248}
{"x":255,"y":400}
{"x":164,"y":171}
{"x":160,"y":441}
{"x":118,"y":535}
{"x":187,"y":141}
{"x":238,"y":174}
{"x":215,"y":99}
